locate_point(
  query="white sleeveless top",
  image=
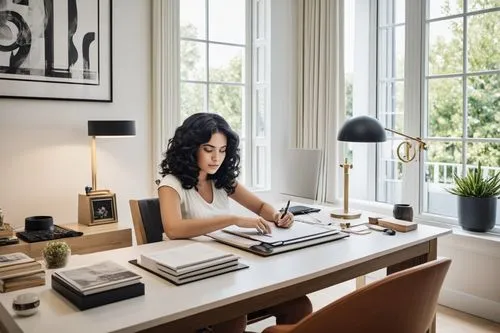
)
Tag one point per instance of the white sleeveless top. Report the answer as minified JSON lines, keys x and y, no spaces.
{"x":192,"y":203}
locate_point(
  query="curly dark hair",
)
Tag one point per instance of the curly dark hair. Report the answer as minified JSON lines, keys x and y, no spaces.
{"x":180,"y":158}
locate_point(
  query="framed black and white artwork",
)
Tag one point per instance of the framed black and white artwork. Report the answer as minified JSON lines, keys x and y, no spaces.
{"x":56,"y":49}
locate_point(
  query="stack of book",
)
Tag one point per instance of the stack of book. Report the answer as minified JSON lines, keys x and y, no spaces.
{"x":98,"y":284}
{"x":190,"y":263}
{"x":7,"y":235}
{"x":19,"y":271}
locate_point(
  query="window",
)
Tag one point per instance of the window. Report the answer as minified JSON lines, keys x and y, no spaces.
{"x":223,"y":70}
{"x":437,"y":76}
{"x":461,"y":95}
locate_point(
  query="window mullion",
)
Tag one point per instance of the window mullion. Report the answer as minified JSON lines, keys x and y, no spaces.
{"x":412,"y":177}
{"x":207,"y":55}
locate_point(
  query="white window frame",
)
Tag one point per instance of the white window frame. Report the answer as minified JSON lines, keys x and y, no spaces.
{"x":255,"y":173}
{"x":414,"y":101}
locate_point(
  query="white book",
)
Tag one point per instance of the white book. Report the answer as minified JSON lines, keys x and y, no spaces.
{"x":14,"y":259}
{"x":193,"y":268}
{"x":195,"y":277}
{"x":104,"y":275}
{"x":191,"y":272}
{"x":189,"y":257}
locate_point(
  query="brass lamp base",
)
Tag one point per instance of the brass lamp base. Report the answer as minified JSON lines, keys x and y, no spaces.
{"x":340,"y":214}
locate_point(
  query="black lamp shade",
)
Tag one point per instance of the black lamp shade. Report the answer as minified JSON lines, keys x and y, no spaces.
{"x":111,"y":128}
{"x":362,"y":129}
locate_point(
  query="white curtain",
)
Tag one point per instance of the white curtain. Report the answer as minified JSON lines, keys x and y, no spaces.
{"x":166,"y":76}
{"x":320,"y":90}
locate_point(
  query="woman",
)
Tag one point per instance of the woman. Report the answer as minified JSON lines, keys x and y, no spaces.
{"x":199,"y":176}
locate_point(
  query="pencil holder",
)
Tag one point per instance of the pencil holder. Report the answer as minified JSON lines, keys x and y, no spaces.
{"x":403,"y":212}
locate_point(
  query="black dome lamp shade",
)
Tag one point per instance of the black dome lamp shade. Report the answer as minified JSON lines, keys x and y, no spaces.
{"x":362,"y":129}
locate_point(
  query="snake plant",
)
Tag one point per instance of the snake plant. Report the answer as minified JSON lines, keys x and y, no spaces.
{"x":474,"y":184}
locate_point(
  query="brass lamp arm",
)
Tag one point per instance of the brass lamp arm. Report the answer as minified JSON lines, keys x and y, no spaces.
{"x":420,"y":141}
{"x":407,"y":146}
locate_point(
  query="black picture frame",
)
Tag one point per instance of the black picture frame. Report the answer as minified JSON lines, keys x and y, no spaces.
{"x":57,"y":50}
{"x":103,"y":209}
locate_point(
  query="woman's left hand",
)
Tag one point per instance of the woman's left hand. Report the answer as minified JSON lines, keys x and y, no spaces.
{"x":285,"y":222}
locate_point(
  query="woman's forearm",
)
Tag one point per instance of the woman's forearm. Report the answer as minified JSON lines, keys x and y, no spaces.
{"x":268,"y":212}
{"x":189,"y":228}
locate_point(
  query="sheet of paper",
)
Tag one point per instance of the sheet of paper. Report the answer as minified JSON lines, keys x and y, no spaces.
{"x":233,"y":239}
{"x":298,"y":230}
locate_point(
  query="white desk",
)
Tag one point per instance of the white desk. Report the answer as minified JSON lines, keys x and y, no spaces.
{"x":268,"y":281}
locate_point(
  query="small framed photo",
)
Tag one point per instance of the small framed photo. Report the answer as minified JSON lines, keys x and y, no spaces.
{"x":97,"y":209}
{"x":103,"y":209}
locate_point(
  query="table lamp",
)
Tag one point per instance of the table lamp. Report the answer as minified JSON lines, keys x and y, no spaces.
{"x":98,"y":206}
{"x":368,"y":129}
{"x":357,"y":129}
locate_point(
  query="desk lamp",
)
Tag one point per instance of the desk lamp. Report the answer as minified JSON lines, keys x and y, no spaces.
{"x":98,"y":206}
{"x":357,"y":129}
{"x":368,"y":129}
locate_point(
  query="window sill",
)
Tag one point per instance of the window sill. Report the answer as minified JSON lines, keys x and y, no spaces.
{"x":433,"y":220}
{"x":491,"y":236}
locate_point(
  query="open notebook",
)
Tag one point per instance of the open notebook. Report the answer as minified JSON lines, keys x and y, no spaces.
{"x":281,"y":240}
{"x":282,"y":236}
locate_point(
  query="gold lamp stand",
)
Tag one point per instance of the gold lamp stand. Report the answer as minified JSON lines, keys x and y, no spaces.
{"x":96,"y":206}
{"x":345,"y":213}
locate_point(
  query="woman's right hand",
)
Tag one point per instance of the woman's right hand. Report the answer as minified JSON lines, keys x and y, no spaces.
{"x":258,"y":223}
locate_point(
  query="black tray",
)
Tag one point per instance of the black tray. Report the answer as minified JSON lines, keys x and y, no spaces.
{"x":44,"y":235}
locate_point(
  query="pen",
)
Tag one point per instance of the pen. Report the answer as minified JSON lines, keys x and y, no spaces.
{"x":286,"y":209}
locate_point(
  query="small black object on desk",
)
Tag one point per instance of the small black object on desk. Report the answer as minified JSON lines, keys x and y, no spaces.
{"x":42,"y":228}
{"x":389,"y":232}
{"x":34,"y":223}
{"x":299,"y":210}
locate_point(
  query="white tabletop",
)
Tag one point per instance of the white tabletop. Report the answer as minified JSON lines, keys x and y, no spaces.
{"x":164,"y":302}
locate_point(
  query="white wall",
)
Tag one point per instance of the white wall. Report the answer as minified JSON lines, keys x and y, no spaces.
{"x":472,"y":284}
{"x":44,"y":147}
{"x":283,"y":32}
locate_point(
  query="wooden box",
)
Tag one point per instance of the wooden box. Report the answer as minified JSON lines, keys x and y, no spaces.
{"x":97,"y":209}
{"x":398,"y":225}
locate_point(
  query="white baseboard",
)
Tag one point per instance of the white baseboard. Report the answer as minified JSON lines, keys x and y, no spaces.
{"x":471,"y":304}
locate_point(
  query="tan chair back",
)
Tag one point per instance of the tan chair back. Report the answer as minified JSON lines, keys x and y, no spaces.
{"x":146,"y":217}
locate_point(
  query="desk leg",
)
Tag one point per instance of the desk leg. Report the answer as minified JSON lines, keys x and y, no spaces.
{"x":431,"y":255}
{"x":360,"y":281}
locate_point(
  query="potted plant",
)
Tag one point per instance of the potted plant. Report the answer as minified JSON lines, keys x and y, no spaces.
{"x":477,"y":199}
{"x":56,"y":254}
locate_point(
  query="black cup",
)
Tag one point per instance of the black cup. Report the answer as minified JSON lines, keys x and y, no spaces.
{"x":403,"y":212}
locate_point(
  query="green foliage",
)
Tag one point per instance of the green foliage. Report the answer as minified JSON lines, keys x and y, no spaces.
{"x":475,"y":184}
{"x":56,"y":254}
{"x":483,"y":89}
{"x":226,"y":100}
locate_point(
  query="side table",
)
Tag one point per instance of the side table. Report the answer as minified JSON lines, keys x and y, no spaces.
{"x":94,"y":239}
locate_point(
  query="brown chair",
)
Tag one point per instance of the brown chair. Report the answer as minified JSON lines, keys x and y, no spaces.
{"x":404,"y":302}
